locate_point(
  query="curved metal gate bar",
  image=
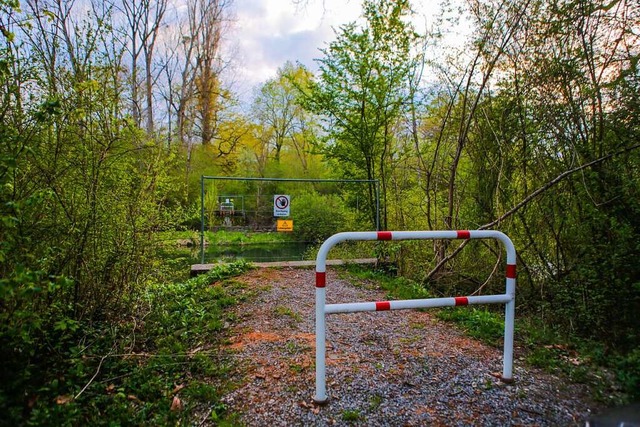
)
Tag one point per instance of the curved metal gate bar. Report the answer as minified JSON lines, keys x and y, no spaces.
{"x":322,"y":309}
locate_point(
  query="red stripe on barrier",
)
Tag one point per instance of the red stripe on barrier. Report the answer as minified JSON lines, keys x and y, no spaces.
{"x":464,"y":234}
{"x":511,"y":271}
{"x":383,"y":305}
{"x":321,"y":279}
{"x":384,"y":235}
{"x":462,"y":300}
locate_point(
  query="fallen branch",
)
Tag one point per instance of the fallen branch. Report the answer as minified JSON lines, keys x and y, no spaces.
{"x":92,"y":378}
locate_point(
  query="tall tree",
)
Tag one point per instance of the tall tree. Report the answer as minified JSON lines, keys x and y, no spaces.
{"x":278,"y":110}
{"x":362,"y":89}
{"x":197,"y":96}
{"x":138,"y":24}
{"x":466,"y":75}
{"x":81,"y":174}
{"x":210,"y":19}
{"x":153,"y":16}
{"x":580,"y":58}
{"x":550,"y":152}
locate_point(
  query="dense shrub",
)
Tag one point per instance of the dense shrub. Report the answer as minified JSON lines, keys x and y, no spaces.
{"x":59,"y":371}
{"x":318,"y":216}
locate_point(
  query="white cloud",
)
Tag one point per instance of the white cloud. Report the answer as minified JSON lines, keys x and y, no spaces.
{"x":268,"y":33}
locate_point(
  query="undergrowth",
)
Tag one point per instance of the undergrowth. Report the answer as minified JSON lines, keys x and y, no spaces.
{"x":156,"y":366}
{"x":614,"y":378}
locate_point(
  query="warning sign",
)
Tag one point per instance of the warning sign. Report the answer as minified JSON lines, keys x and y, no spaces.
{"x":285,"y":225}
{"x":281,"y":205}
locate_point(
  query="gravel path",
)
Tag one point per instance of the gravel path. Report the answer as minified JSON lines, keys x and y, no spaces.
{"x":395,"y":368}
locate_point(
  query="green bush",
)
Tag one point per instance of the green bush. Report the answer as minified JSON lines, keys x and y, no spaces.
{"x":628,"y":373}
{"x":59,"y":371}
{"x":318,"y":216}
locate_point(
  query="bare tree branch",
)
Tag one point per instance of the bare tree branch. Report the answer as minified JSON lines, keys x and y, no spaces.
{"x":527,"y":199}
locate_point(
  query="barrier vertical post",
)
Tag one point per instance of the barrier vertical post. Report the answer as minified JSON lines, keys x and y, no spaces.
{"x":509,"y":320}
{"x":321,"y":388}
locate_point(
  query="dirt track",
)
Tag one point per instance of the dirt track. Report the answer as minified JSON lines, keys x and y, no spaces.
{"x":401,"y":368}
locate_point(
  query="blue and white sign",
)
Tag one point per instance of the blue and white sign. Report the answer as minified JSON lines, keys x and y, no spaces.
{"x":281,"y":205}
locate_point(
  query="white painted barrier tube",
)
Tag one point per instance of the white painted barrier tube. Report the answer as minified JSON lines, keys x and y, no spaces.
{"x":322,"y":309}
{"x":414,"y":303}
{"x":320,"y":341}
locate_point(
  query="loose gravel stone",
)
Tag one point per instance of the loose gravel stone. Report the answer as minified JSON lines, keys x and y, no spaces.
{"x":392,"y":368}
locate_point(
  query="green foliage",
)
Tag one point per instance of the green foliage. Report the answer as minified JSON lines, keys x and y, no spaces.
{"x":396,"y":287}
{"x":184,"y":312}
{"x":318,"y":216}
{"x":352,"y":415}
{"x":362,"y":89}
{"x":59,"y":371}
{"x":477,"y":322}
{"x":285,"y":125}
{"x":628,"y":373}
{"x":83,"y":194}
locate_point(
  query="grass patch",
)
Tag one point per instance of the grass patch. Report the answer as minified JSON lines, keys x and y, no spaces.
{"x":245,"y":237}
{"x":286,"y":311}
{"x":156,"y":366}
{"x":479,"y":323}
{"x":375,"y":401}
{"x":221,"y":238}
{"x":352,"y":415}
{"x":179,"y":249}
{"x":396,"y":287}
{"x":613,"y":377}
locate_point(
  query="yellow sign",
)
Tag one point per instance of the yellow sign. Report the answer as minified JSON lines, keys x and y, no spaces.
{"x":285,"y":225}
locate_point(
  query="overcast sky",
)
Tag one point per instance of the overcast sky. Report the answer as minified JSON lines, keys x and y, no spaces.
{"x":267,"y":33}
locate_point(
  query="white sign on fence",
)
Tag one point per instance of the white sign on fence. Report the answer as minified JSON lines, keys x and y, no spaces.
{"x":281,"y":204}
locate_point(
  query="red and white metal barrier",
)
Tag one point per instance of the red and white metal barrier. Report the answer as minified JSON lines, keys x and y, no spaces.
{"x":322,"y":309}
